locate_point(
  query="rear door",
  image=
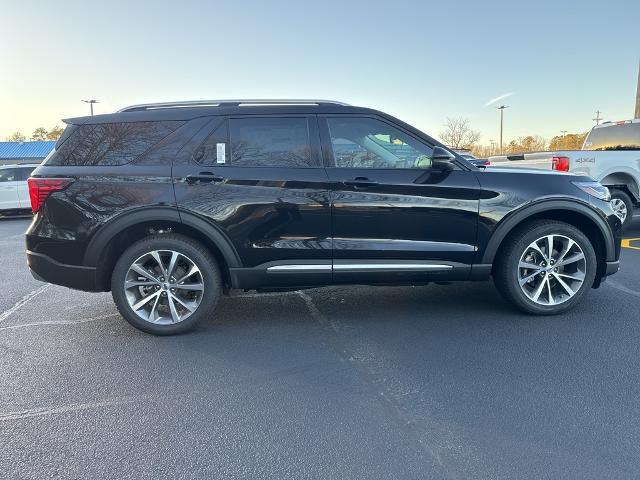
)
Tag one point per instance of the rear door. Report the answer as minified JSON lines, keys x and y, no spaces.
{"x":22,"y":188}
{"x":260,"y":180}
{"x":396,"y":216}
{"x":8,"y":189}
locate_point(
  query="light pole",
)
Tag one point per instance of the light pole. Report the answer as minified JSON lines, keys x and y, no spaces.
{"x":501,"y":108}
{"x":91,"y":102}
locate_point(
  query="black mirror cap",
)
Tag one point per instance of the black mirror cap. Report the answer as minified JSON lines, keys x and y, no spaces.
{"x":442,"y":155}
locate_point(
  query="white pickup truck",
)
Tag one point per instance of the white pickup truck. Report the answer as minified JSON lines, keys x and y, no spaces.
{"x":610,"y":154}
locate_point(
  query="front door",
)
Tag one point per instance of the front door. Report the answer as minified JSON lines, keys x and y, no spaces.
{"x":260,"y":180}
{"x":396,"y":216}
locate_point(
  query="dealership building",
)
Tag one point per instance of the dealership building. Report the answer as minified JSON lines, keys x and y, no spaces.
{"x":24,"y":152}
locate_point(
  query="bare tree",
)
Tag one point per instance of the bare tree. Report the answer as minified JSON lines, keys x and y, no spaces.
{"x":39,"y":134}
{"x":458,"y":134}
{"x":16,"y":137}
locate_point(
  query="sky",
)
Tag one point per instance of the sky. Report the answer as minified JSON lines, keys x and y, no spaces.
{"x":554,"y":62}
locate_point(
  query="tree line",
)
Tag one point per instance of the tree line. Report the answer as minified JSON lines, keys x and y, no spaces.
{"x":459,"y":135}
{"x":39,"y":134}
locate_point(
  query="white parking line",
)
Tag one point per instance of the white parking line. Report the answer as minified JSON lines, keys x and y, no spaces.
{"x":622,"y":288}
{"x":74,"y":407}
{"x":60,"y":322}
{"x":23,"y":301}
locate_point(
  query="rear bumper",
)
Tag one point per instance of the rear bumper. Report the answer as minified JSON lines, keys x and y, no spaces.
{"x":46,"y":269}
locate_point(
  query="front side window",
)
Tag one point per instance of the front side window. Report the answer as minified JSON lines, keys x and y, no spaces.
{"x":270,"y":142}
{"x":7,"y":175}
{"x":362,"y":142}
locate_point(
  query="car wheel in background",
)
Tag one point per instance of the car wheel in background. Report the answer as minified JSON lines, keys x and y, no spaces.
{"x":623,"y":206}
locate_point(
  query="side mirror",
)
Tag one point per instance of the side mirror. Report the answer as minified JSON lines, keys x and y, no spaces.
{"x":439,"y":154}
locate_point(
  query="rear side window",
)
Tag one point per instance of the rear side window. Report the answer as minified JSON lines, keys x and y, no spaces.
{"x":24,"y":172}
{"x":615,"y":137}
{"x":110,"y":143}
{"x":7,"y":175}
{"x":270,"y":142}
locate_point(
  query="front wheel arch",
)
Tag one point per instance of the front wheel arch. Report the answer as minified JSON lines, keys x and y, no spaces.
{"x":577,"y":214}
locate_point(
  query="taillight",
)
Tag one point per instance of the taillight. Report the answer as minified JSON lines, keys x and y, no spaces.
{"x":560,"y":163}
{"x":41,"y":188}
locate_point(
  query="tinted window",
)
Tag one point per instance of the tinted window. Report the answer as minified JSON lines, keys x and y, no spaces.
{"x":24,"y":172}
{"x":371,"y":143}
{"x":7,"y":175}
{"x":110,"y":143}
{"x":270,"y":142}
{"x":614,"y":137}
{"x":214,"y":150}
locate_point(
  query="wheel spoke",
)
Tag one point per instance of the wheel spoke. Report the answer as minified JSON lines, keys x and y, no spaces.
{"x":174,"y":312}
{"x":191,"y":308}
{"x":538,"y":291}
{"x":564,"y":252}
{"x":192,"y":271}
{"x":138,"y":283}
{"x":564,"y":285}
{"x":530,"y":266}
{"x":578,"y":276}
{"x":535,"y":246}
{"x":158,"y":259}
{"x":172,"y":263}
{"x":550,"y":294}
{"x":143,"y":271}
{"x":529,"y":277}
{"x":153,"y":314}
{"x":572,"y":259}
{"x":190,"y":286}
{"x":142,"y":302}
{"x":549,"y":244}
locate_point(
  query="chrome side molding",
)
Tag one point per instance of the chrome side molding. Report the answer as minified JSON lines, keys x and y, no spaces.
{"x":359,"y":267}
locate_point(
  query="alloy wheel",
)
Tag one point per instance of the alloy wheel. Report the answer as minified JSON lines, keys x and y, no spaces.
{"x":619,"y":208}
{"x":164,"y":287}
{"x":552,"y":269}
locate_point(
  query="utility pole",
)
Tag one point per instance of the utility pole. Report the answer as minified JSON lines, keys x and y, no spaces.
{"x":91,"y":102}
{"x":637,"y":115}
{"x":564,"y":134}
{"x":598,"y":118}
{"x":493,"y":146}
{"x":501,"y":108}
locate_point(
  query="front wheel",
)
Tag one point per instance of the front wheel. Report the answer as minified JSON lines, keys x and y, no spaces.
{"x":546,"y":268}
{"x":165,"y":284}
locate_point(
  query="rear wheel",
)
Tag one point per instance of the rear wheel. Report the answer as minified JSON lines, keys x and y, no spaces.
{"x":165,"y":284}
{"x":546,"y":268}
{"x":623,"y":207}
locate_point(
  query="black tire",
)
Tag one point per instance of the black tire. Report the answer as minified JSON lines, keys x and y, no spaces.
{"x":624,"y":197}
{"x":198,"y":254}
{"x":506,"y":265}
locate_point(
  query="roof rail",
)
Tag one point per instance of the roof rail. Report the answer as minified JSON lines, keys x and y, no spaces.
{"x":225,"y":103}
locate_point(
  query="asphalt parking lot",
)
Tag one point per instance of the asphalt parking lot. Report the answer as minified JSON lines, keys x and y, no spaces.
{"x":340,"y":382}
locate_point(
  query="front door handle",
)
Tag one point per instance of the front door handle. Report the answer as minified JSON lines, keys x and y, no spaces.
{"x":360,"y":182}
{"x":204,"y":177}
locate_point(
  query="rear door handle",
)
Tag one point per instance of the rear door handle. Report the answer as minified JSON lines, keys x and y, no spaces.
{"x":204,"y":177}
{"x":360,"y":182}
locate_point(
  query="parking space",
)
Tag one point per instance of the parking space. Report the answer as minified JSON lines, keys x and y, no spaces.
{"x":338,"y":382}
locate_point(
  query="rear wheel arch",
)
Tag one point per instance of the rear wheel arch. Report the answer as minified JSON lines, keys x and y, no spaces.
{"x":623,"y":181}
{"x":115,"y":237}
{"x":571,"y":212}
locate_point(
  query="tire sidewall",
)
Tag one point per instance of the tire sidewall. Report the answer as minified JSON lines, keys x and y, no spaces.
{"x":196,"y":253}
{"x":525,"y":239}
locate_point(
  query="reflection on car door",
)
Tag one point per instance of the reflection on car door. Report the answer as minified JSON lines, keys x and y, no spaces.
{"x":395,"y":216}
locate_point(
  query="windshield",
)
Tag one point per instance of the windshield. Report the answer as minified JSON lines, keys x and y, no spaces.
{"x":615,"y":137}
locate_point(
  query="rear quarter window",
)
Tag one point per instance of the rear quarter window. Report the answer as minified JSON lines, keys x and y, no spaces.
{"x":109,"y":143}
{"x":615,"y":137}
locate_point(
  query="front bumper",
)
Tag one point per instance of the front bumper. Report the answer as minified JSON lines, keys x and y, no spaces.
{"x":46,"y":269}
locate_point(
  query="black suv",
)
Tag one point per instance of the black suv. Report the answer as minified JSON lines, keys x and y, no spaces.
{"x":169,"y":205}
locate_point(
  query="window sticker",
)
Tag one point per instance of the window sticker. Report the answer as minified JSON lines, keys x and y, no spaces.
{"x":220,"y":153}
